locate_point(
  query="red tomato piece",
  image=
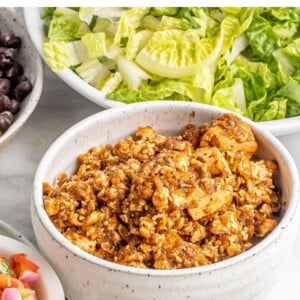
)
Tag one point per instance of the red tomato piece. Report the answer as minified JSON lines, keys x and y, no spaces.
{"x":20,"y":263}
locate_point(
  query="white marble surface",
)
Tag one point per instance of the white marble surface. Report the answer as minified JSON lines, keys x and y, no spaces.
{"x":59,"y":108}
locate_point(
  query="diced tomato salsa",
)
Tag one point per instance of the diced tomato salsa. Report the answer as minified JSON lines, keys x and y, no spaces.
{"x":18,"y":275}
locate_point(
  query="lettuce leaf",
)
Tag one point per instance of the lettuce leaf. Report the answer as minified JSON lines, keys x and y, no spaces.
{"x":173,"y":53}
{"x":136,"y":42}
{"x":95,"y":44}
{"x":231,"y":98}
{"x":163,"y":11}
{"x":86,"y":14}
{"x":245,"y":59}
{"x":291,"y":91}
{"x":290,"y":14}
{"x":133,"y":75}
{"x":61,"y":55}
{"x":265,"y":110}
{"x":93,"y":72}
{"x":129,"y":22}
{"x":112,"y":83}
{"x":262,"y":38}
{"x":66,"y":25}
{"x":164,"y":89}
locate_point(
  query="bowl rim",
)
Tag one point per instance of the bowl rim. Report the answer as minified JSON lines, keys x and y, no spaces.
{"x":36,"y":92}
{"x":37,"y":201}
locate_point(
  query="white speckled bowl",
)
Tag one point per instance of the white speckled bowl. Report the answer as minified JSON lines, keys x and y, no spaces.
{"x":247,"y":276}
{"x":48,"y":286}
{"x":11,"y":20}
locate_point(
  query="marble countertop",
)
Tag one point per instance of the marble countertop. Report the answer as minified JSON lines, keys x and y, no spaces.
{"x":59,"y":108}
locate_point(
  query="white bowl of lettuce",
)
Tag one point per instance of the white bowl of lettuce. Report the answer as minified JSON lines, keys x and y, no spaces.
{"x":246,"y":60}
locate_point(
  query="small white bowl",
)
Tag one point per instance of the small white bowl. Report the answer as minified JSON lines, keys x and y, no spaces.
{"x":48,"y":286}
{"x":11,"y":20}
{"x":249,"y":275}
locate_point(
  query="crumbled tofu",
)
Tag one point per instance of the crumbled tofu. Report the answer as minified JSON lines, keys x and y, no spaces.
{"x":169,"y":202}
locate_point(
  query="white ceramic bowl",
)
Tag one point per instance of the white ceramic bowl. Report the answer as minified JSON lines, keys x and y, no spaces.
{"x":11,"y":20}
{"x":249,"y":275}
{"x":35,"y":28}
{"x":48,"y":286}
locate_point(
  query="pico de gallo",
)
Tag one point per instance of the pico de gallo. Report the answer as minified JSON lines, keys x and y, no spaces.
{"x":18,"y":274}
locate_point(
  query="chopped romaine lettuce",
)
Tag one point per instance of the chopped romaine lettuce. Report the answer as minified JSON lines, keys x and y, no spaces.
{"x":66,"y":25}
{"x":95,"y":44}
{"x":163,"y":11}
{"x":93,"y":72}
{"x":86,"y":14}
{"x":131,"y":72}
{"x":112,"y":83}
{"x":231,"y":98}
{"x":164,"y":89}
{"x":291,"y":91}
{"x":173,"y":53}
{"x":245,"y":59}
{"x":136,"y":42}
{"x":129,"y":22}
{"x":61,"y":55}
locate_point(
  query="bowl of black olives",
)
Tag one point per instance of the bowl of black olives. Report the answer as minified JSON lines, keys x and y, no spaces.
{"x":21,"y":74}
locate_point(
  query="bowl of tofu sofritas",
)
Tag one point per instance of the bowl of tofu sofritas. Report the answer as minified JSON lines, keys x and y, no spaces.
{"x":166,"y":200}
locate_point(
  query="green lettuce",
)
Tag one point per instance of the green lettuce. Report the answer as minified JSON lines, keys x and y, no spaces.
{"x":60,"y":54}
{"x":66,"y":25}
{"x":163,"y":11}
{"x":112,"y":83}
{"x":262,"y":37}
{"x":173,"y":53}
{"x":129,"y":22}
{"x":93,"y":72}
{"x":164,"y":89}
{"x":291,"y":91}
{"x":131,"y":72}
{"x":231,"y":97}
{"x":244,"y":59}
{"x":87,"y":14}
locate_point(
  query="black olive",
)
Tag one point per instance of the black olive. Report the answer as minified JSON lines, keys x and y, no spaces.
{"x":10,"y":40}
{"x":4,"y":102}
{"x":5,"y":86}
{"x":22,"y":89}
{"x":14,"y":106}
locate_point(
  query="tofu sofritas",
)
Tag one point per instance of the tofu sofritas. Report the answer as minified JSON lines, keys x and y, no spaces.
{"x":168,"y":202}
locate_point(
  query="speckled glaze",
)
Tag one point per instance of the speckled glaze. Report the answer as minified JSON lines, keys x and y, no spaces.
{"x":247,"y":276}
{"x":11,"y":20}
